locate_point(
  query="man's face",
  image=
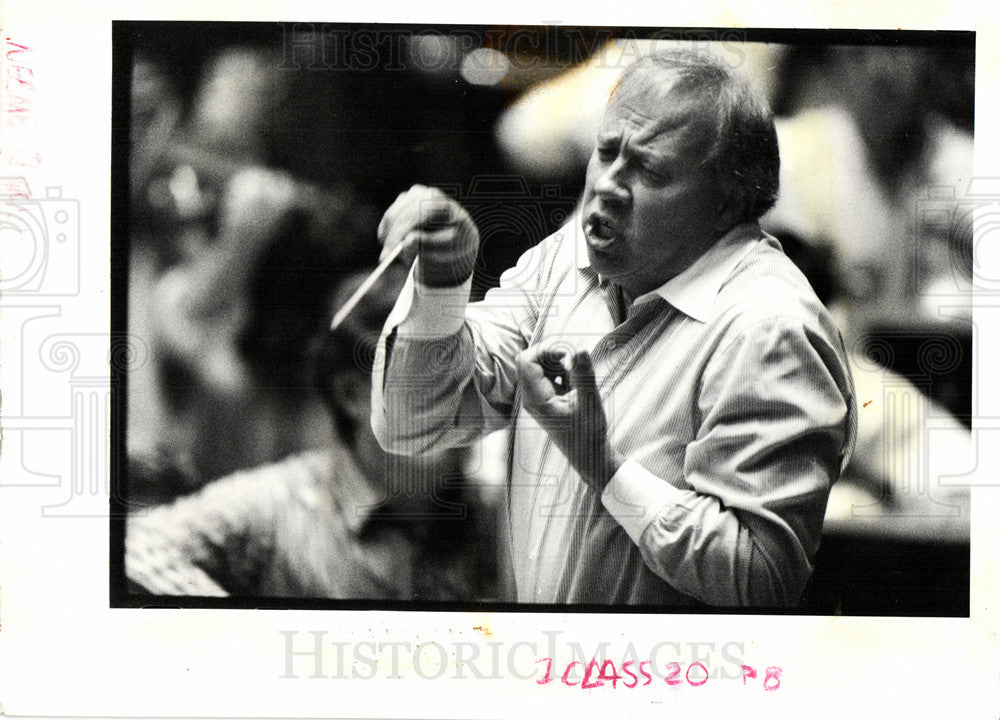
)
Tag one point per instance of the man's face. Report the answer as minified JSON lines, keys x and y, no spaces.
{"x":650,"y":206}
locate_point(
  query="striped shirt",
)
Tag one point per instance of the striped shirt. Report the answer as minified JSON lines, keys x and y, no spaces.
{"x":727,"y":390}
{"x":311,"y":525}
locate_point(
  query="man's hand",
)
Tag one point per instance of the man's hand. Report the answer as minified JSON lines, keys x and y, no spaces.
{"x":440,"y":232}
{"x":561,"y":393}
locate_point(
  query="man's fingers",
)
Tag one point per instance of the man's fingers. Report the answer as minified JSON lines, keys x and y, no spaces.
{"x":419,"y":206}
{"x":436,"y":213}
{"x":582,"y":376}
{"x":389,"y":215}
{"x":542,"y":374}
{"x":431,"y":219}
{"x":435,"y":242}
{"x":553,"y":365}
{"x":535,"y":387}
{"x":400,"y":220}
{"x":400,"y":206}
{"x":407,"y":254}
{"x":429,"y":244}
{"x":551,"y":361}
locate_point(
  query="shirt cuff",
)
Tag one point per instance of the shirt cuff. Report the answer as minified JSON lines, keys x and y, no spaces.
{"x":634,"y":496}
{"x":430,"y":313}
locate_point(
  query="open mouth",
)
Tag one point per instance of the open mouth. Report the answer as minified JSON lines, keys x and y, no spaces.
{"x":599,"y":229}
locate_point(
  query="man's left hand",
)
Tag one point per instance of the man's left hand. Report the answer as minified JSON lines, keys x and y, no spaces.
{"x":560,"y":392}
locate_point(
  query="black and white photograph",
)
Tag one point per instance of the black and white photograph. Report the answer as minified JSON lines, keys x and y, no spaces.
{"x":499,"y":361}
{"x":678,"y":319}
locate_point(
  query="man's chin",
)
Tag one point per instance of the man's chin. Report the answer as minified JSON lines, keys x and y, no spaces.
{"x":609,"y":267}
{"x":605,"y":263}
{"x":600,"y":258}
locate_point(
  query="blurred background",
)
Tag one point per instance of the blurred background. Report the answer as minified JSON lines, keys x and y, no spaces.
{"x":261,"y":157}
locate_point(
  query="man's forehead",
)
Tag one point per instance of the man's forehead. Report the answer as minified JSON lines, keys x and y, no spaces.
{"x":653,"y":106}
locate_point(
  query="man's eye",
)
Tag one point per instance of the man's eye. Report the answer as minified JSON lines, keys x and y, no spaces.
{"x":607,"y":153}
{"x":655,"y":175}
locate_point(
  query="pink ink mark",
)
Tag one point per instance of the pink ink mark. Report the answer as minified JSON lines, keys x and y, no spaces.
{"x":635,"y":678}
{"x":587,"y":682}
{"x":645,"y":672}
{"x":565,"y":675}
{"x":14,"y":190}
{"x":614,"y":677}
{"x":17,"y":101}
{"x":25,"y":158}
{"x":15,"y":48}
{"x":772,"y":673}
{"x":16,"y":75}
{"x":696,"y":683}
{"x":548,"y":671}
{"x":671,"y":678}
{"x":599,"y":673}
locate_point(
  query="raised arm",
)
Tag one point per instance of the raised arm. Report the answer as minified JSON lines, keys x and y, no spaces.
{"x":445,"y":371}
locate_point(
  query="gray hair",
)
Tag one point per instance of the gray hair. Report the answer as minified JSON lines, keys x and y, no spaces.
{"x":744,"y":153}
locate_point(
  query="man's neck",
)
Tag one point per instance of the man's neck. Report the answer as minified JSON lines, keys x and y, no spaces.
{"x":631,"y":293}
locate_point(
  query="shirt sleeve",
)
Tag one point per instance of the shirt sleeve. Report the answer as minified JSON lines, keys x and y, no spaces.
{"x":211,"y":543}
{"x":445,"y":370}
{"x":741,"y":528}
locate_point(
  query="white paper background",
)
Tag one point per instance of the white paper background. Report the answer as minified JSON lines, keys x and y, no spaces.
{"x":64,"y":652}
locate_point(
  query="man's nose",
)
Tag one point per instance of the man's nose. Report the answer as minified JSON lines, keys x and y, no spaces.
{"x":611,"y":184}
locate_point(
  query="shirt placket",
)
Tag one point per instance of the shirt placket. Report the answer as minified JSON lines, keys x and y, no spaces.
{"x":609,"y":353}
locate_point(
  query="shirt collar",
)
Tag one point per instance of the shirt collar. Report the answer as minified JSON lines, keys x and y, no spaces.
{"x":693,"y":292}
